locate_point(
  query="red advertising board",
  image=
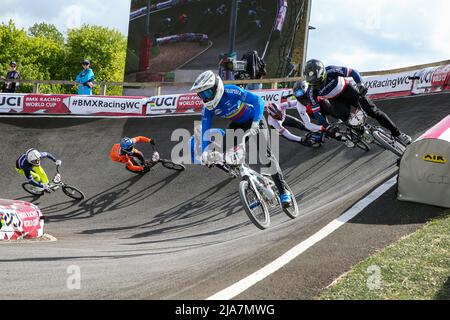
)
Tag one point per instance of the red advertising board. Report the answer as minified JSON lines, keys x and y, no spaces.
{"x":39,"y":103}
{"x":189,"y":103}
{"x":440,"y":78}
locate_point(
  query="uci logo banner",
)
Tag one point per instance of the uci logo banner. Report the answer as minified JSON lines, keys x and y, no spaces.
{"x":434,"y":158}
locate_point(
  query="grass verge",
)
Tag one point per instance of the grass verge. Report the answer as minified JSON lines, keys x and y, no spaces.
{"x":416,"y":267}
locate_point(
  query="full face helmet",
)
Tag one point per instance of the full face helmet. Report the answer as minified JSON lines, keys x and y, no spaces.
{"x":315,"y":73}
{"x":127,"y":145}
{"x":34,"y":157}
{"x":209,"y":87}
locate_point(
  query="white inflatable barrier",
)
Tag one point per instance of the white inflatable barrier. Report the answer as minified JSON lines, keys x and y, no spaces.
{"x":20,"y":220}
{"x":424,"y":174}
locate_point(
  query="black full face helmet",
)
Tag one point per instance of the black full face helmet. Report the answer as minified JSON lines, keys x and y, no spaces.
{"x":315,"y":73}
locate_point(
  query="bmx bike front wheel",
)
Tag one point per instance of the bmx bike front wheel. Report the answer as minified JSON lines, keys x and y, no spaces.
{"x":73,"y":192}
{"x":255,"y":209}
{"x":172,"y":165}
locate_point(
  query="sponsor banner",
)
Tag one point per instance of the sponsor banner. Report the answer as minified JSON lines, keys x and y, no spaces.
{"x":11,"y":102}
{"x":272,"y":95}
{"x":441,"y":78}
{"x":103,"y":105}
{"x":162,"y":104}
{"x":389,"y":84}
{"x":423,"y":84}
{"x":20,"y":220}
{"x":43,"y":103}
{"x":188,"y":103}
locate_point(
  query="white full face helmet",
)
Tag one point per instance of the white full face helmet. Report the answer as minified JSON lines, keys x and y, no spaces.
{"x":34,"y":157}
{"x":209,"y":87}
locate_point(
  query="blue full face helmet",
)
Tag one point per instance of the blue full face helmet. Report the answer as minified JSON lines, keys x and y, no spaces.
{"x":127,"y":145}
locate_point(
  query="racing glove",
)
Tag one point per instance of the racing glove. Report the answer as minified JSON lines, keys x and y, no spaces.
{"x":362,"y":89}
{"x":58,"y":162}
{"x":46,"y":188}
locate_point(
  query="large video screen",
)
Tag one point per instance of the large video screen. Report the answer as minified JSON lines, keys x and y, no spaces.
{"x":192,"y":34}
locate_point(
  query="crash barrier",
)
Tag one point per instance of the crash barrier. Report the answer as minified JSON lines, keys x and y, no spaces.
{"x":191,"y":37}
{"x":418,"y":81}
{"x":424,"y":174}
{"x":20,"y":220}
{"x":113,"y":106}
{"x":281,"y":15}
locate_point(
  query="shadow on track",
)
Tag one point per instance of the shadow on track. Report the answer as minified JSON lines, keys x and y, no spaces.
{"x":114,"y":198}
{"x":184,"y":216}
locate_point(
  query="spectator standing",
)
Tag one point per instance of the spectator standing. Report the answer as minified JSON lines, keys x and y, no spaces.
{"x":85,"y":79}
{"x":13,"y":74}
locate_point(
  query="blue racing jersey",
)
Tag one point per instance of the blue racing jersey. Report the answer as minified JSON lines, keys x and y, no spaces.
{"x":334,"y":85}
{"x":22,"y":163}
{"x":237,"y":105}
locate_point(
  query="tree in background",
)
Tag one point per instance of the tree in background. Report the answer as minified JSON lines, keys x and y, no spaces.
{"x":43,"y":54}
{"x":47,"y":31}
{"x":103,"y":47}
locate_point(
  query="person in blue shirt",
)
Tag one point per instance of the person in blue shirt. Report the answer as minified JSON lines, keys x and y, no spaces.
{"x":85,"y":79}
{"x":331,"y":83}
{"x":245,"y":111}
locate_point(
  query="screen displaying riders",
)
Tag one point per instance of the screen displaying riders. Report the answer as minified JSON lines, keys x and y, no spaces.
{"x":330,"y":83}
{"x":244,"y":110}
{"x":29,"y":165}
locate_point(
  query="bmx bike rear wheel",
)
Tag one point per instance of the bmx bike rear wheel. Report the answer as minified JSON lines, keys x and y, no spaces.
{"x":31,"y":189}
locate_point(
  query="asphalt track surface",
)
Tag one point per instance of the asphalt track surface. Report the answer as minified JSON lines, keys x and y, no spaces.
{"x":170,"y":235}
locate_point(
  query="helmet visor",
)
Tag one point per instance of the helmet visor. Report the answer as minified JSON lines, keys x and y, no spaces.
{"x":207,"y":95}
{"x":299,"y":92}
{"x":128,"y":150}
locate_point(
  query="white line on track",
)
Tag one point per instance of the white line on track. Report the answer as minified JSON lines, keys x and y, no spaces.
{"x":242,"y":285}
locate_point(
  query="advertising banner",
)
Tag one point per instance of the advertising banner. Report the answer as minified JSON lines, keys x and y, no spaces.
{"x":389,"y":85}
{"x":102,"y":105}
{"x":441,"y":78}
{"x":423,"y":84}
{"x":189,"y":102}
{"x":10,"y":102}
{"x":272,"y":95}
{"x":162,"y":104}
{"x":43,"y":103}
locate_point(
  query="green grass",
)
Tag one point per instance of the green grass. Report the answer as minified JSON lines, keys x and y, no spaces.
{"x":416,"y":267}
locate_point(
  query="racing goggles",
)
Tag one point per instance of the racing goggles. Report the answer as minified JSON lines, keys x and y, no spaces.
{"x":299,"y":92}
{"x":208,"y":94}
{"x":36,"y":163}
{"x":128,"y":150}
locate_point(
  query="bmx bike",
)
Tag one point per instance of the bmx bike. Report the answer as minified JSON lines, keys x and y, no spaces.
{"x":256,"y":190}
{"x":54,"y":185}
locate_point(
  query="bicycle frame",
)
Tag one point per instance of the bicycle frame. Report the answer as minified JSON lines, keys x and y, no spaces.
{"x":257,"y":180}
